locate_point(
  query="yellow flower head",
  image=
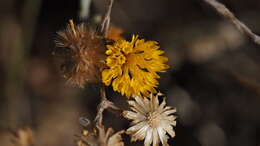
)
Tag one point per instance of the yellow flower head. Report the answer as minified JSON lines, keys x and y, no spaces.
{"x":133,"y":66}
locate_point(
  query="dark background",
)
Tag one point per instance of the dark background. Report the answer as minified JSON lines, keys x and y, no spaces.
{"x":214,"y":79}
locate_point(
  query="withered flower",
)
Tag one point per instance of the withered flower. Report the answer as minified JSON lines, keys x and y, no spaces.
{"x":83,"y":54}
{"x":100,"y":137}
{"x":23,"y":137}
{"x":150,"y":120}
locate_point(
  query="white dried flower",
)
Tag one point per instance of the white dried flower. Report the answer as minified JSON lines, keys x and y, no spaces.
{"x":150,"y":120}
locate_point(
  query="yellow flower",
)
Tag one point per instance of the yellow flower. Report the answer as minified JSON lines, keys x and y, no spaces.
{"x":133,"y":66}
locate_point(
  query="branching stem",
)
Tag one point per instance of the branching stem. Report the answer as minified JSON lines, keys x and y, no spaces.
{"x":104,"y":104}
{"x":106,"y":20}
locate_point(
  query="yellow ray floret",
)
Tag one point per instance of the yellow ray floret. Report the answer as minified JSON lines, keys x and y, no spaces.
{"x":133,"y":66}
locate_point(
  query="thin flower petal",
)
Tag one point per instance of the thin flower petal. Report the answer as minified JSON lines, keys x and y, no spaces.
{"x":149,"y":137}
{"x":162,"y":135}
{"x":155,"y":138}
{"x":140,"y":134}
{"x":136,"y":127}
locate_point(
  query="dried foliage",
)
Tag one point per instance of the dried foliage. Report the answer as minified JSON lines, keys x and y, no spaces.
{"x":100,"y":137}
{"x":23,"y":137}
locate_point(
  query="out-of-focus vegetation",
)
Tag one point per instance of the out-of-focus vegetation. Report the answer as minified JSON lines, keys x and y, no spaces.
{"x":213,"y":81}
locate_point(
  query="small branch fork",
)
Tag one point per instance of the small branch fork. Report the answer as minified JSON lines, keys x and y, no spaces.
{"x":104,"y":104}
{"x":226,"y":13}
{"x":106,"y":20}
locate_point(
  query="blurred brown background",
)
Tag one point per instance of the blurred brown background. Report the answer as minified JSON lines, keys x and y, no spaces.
{"x":214,"y":79}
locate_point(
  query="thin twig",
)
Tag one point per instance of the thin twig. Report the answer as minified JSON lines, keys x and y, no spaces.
{"x":106,"y":20}
{"x":226,"y":13}
{"x":246,"y":82}
{"x":104,"y":104}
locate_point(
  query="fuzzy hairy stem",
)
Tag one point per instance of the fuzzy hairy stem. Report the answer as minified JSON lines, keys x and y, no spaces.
{"x":106,"y":20}
{"x":226,"y":13}
{"x":104,"y":104}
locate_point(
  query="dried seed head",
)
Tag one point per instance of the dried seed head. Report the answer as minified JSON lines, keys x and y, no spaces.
{"x":82,"y":52}
{"x":100,"y":137}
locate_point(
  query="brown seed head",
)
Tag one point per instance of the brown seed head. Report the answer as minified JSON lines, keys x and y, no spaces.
{"x":82,"y":53}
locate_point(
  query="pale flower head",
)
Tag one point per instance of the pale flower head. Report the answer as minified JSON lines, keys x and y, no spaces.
{"x":151,"y":120}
